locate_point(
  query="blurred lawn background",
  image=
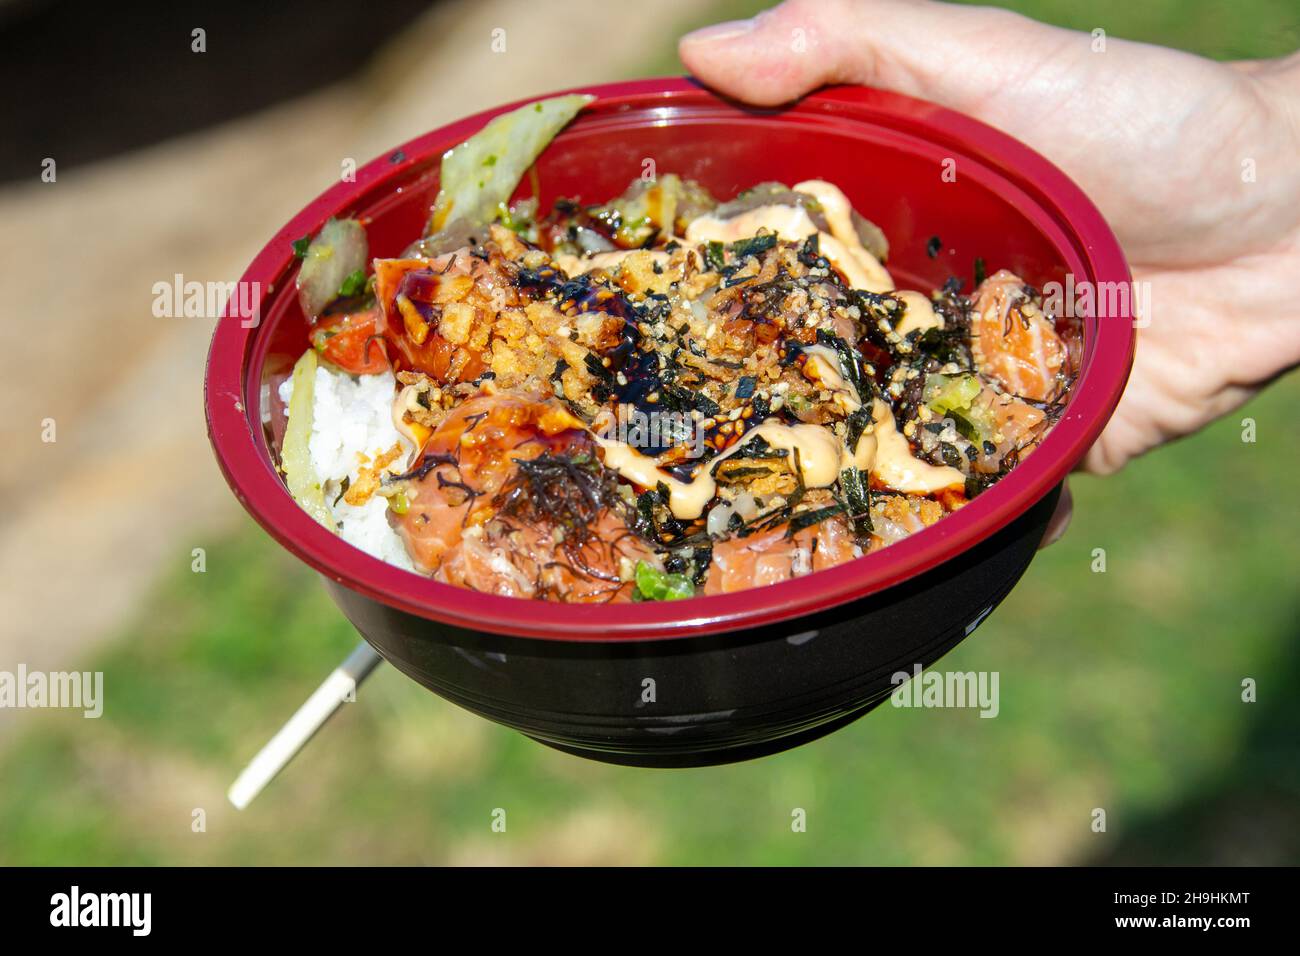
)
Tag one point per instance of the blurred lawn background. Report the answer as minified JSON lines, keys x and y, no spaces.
{"x":1119,"y":690}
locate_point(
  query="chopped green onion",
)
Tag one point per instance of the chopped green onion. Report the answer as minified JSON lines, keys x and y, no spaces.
{"x":652,"y":584}
{"x":954,"y":397}
{"x":354,"y":284}
{"x":945,"y":393}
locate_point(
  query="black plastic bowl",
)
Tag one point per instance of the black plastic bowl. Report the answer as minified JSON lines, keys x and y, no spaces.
{"x":724,"y":677}
{"x":716,"y":698}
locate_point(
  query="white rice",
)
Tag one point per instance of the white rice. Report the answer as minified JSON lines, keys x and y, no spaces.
{"x":352,"y":417}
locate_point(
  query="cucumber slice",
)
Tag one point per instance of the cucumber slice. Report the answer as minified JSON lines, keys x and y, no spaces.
{"x":295,"y":454}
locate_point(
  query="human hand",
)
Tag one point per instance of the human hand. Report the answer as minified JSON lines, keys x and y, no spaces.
{"x":1159,"y":139}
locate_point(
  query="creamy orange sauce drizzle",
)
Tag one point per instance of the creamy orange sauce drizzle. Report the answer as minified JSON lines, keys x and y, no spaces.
{"x":920,"y":313}
{"x":839,"y":216}
{"x":791,"y":223}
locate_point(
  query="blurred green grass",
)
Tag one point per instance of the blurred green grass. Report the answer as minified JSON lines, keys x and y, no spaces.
{"x":1119,"y":690}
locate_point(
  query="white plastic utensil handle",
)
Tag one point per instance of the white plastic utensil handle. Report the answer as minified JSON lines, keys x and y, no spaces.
{"x":340,"y":686}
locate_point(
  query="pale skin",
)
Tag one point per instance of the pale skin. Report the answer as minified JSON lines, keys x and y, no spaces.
{"x":1195,"y":164}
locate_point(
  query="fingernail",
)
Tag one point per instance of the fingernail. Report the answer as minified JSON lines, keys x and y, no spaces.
{"x":720,"y":32}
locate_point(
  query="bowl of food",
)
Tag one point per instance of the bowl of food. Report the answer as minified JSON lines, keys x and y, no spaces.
{"x":665,"y":430}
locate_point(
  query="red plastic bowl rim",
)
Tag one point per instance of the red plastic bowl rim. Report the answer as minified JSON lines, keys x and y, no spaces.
{"x":235,"y":430}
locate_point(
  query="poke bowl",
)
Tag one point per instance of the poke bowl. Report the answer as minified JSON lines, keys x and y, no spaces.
{"x":731,"y":672}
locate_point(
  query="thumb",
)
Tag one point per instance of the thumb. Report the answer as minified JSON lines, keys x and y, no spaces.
{"x":1130,"y":126}
{"x":959,"y":56}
